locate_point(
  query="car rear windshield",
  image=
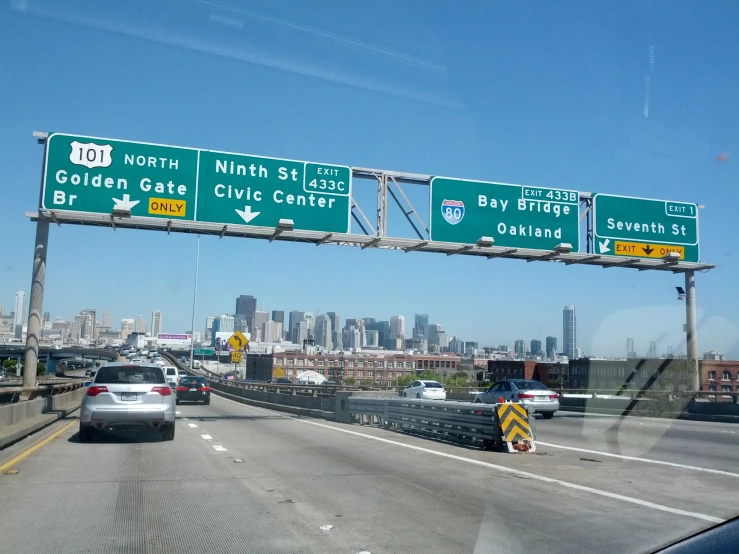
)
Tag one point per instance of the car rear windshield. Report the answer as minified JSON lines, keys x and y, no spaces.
{"x":192,"y":381}
{"x":130,"y":375}
{"x":432,"y":385}
{"x":530,"y":385}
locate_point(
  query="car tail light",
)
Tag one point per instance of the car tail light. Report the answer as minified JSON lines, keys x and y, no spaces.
{"x":182,"y":389}
{"x":554,"y":396}
{"x":164,"y":391}
{"x":204,"y":389}
{"x":526,"y":395}
{"x":95,"y":390}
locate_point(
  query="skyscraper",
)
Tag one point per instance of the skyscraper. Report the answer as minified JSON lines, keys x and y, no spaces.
{"x":140,"y":324}
{"x":156,"y":323}
{"x":335,"y":321}
{"x":300,"y":332}
{"x":278,"y":316}
{"x":536,"y":348}
{"x":107,"y":319}
{"x":397,"y":327}
{"x":127,"y":327}
{"x":294,"y":317}
{"x":246,"y":306}
{"x":551,"y":347}
{"x":20,"y":314}
{"x":323,"y":331}
{"x":46,"y":319}
{"x":569,"y":332}
{"x":260,"y":318}
{"x":272,"y":331}
{"x":420,"y":326}
{"x":371,"y":338}
{"x":209,"y":328}
{"x":310,"y":320}
{"x":519,"y":348}
{"x":225,"y":324}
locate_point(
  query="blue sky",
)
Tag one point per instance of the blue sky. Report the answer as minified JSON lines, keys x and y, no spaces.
{"x":527,"y":93}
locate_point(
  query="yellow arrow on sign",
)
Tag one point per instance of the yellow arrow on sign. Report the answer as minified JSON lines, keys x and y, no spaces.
{"x":645,"y":249}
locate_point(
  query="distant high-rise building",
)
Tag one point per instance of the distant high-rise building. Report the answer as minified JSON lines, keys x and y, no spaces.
{"x":19,"y":314}
{"x":569,"y":332}
{"x":371,"y":338}
{"x":337,"y":338}
{"x":456,"y":345}
{"x":551,"y":345}
{"x":470,"y":348}
{"x":127,"y":327}
{"x":46,"y":319}
{"x":323,"y":331}
{"x":397,"y":327}
{"x":361,"y":329}
{"x":435,"y":333}
{"x":294,"y":318}
{"x":519,"y":347}
{"x":335,"y":321}
{"x":107,"y":320}
{"x":139,"y":325}
{"x":246,"y":306}
{"x":260,"y":318}
{"x":300,"y":332}
{"x":278,"y":316}
{"x":223,"y":323}
{"x":420,"y":326}
{"x":536,"y":348}
{"x":350,"y":323}
{"x":310,"y":320}
{"x":209,"y":328}
{"x":272,"y":331}
{"x":156,"y":323}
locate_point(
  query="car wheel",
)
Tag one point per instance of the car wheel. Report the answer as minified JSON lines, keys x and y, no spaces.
{"x":177,"y":402}
{"x":206,"y":402}
{"x":547,"y":415}
{"x":478,"y":401}
{"x":418,"y":395}
{"x":167,"y":432}
{"x":405,"y":395}
{"x":86,"y":433}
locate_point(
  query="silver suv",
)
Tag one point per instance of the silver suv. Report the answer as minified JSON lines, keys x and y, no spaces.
{"x":125,"y":394}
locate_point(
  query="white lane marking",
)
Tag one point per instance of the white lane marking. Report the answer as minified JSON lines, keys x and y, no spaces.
{"x":637,"y":459}
{"x":178,"y":413}
{"x":192,"y":425}
{"x":219,"y":448}
{"x":503,"y":469}
{"x":207,"y":437}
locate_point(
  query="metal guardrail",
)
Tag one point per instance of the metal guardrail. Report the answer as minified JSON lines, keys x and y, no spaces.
{"x":462,"y":422}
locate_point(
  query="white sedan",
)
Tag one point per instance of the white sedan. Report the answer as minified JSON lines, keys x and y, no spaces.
{"x":430,"y":390}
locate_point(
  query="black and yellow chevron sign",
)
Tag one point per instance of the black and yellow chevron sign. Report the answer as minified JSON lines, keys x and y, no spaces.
{"x":514,"y":422}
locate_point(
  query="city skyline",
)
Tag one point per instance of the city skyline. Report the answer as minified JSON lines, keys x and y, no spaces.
{"x":615,"y":348}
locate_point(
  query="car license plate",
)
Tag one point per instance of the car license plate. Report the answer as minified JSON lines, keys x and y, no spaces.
{"x":193,"y":390}
{"x":128,"y":396}
{"x":541,"y":398}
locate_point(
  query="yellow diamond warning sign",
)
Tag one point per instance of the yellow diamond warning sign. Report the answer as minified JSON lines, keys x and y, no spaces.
{"x":167,"y":206}
{"x":646,"y":250}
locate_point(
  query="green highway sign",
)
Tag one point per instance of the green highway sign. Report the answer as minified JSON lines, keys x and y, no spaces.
{"x":85,"y":174}
{"x":241,"y":189}
{"x":514,"y":216}
{"x":202,"y":352}
{"x":94,"y":175}
{"x":644,"y":228}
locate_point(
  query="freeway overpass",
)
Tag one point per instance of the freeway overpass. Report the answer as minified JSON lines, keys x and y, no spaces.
{"x":241,"y":478}
{"x":50,"y":356}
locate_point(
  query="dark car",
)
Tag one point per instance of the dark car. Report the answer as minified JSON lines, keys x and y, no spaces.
{"x":193,"y":389}
{"x":283,"y":381}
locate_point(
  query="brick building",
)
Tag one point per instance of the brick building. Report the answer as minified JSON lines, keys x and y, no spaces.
{"x":369,"y":367}
{"x":719,"y":375}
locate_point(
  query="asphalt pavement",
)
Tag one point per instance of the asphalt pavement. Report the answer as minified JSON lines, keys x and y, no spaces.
{"x":242,"y":479}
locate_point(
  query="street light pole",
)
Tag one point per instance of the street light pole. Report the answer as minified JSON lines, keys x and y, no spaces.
{"x":691,"y":332}
{"x":194,"y":298}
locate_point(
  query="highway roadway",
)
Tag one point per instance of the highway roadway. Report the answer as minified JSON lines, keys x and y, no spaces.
{"x":243,"y":479}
